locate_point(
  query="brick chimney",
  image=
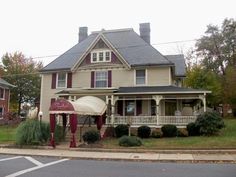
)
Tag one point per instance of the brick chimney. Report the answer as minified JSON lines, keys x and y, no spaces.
{"x":83,"y":33}
{"x":144,"y":29}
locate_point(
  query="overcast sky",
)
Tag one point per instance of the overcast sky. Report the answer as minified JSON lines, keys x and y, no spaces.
{"x":50,"y":27}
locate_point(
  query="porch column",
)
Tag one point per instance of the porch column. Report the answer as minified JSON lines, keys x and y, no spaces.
{"x":157,"y":98}
{"x":113,"y":101}
{"x":73,"y":127}
{"x":52,"y":129}
{"x":203,"y":98}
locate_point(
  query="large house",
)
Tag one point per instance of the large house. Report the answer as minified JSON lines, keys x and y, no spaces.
{"x":139,"y":85}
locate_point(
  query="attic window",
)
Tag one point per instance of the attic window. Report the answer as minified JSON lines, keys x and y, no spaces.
{"x":100,"y":56}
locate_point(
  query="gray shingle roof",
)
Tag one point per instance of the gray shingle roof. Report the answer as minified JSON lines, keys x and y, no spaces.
{"x":156,"y":89}
{"x":5,"y":84}
{"x":179,"y":62}
{"x":128,"y":43}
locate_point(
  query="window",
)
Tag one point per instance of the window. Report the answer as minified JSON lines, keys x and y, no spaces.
{"x":94,"y":55}
{"x":100,"y":56}
{"x":61,"y":80}
{"x":141,"y":77}
{"x":101,"y":79}
{"x":1,"y":112}
{"x":2,"y":93}
{"x":129,"y":107}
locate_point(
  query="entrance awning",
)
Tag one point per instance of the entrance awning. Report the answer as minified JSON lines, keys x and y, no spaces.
{"x":87,"y":105}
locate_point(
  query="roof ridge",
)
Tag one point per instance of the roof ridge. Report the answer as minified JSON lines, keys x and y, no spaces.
{"x":113,"y":30}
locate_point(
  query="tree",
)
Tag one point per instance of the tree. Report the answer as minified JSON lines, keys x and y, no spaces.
{"x":23,"y":73}
{"x":200,"y":78}
{"x":217,"y":48}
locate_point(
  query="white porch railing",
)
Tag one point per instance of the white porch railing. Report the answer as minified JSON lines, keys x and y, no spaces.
{"x":176,"y":120}
{"x":152,"y":120}
{"x":136,"y":120}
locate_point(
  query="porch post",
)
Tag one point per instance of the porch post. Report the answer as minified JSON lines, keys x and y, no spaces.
{"x":204,"y":102}
{"x":73,"y":127}
{"x":113,"y":100}
{"x":52,"y":129}
{"x":157,"y":99}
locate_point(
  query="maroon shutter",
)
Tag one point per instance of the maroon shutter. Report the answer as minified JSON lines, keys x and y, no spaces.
{"x":52,"y":100}
{"x":138,"y":107}
{"x":69,"y":80}
{"x":109,"y":78}
{"x":92,"y":79}
{"x":54,"y":78}
{"x":120,"y":107}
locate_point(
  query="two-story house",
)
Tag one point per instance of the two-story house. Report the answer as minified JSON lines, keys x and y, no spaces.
{"x":138,"y":84}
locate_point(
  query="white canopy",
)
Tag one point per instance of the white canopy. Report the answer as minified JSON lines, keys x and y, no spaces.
{"x":87,"y":105}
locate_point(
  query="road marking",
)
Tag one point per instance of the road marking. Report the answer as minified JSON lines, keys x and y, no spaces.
{"x":33,"y":160}
{"x":10,"y":158}
{"x":35,"y":168}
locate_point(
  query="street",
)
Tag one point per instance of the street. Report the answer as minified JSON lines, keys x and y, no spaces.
{"x":28,"y":166}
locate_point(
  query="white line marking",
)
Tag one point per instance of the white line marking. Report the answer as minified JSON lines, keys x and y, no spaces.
{"x":10,"y":158}
{"x":35,"y":168}
{"x":33,"y":160}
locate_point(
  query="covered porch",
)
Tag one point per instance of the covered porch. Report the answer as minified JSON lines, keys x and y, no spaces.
{"x":156,"y":107}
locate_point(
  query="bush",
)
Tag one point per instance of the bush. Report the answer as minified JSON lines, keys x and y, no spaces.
{"x":157,"y":134}
{"x":29,"y":133}
{"x":91,"y":136}
{"x":182,"y":133}
{"x":121,"y":130}
{"x":209,"y":123}
{"x":32,"y":132}
{"x":193,"y":129}
{"x":169,"y":130}
{"x":128,"y":141}
{"x":144,"y":131}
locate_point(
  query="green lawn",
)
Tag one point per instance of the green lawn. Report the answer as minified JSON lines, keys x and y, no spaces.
{"x":7,"y":134}
{"x":226,"y":139}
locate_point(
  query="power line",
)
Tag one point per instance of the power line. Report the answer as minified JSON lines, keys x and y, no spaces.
{"x":131,"y":46}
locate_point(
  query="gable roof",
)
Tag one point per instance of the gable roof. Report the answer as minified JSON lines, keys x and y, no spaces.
{"x":134,"y":50}
{"x":179,"y":61}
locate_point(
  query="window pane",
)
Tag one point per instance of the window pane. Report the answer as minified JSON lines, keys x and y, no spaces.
{"x":1,"y":93}
{"x":140,"y":77}
{"x":61,"y":80}
{"x":101,"y":79}
{"x":100,"y":56}
{"x":107,"y":56}
{"x":94,"y":56}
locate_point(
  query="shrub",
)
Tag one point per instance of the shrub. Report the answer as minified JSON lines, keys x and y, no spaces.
{"x":144,"y":131}
{"x":209,"y":123}
{"x":169,"y":130}
{"x":193,"y":129}
{"x":182,"y":133}
{"x":32,"y":132}
{"x":157,"y":134}
{"x":128,"y":141}
{"x":91,"y":136}
{"x":121,"y":130}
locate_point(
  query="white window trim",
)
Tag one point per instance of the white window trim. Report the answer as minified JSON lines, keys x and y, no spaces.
{"x":95,"y":86}
{"x":146,"y":73}
{"x":3,"y":94}
{"x":65,"y":81}
{"x":104,"y":56}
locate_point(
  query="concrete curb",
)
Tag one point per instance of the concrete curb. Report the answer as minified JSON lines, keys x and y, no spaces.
{"x":125,"y":156}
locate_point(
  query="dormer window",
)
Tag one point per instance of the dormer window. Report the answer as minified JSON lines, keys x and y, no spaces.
{"x":100,"y":56}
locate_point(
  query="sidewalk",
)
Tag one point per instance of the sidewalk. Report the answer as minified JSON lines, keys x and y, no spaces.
{"x":127,"y":156}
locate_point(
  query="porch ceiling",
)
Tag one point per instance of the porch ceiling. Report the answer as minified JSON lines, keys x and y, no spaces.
{"x":159,"y":90}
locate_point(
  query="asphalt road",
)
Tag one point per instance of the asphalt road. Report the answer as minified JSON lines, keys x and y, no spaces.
{"x":25,"y":166}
